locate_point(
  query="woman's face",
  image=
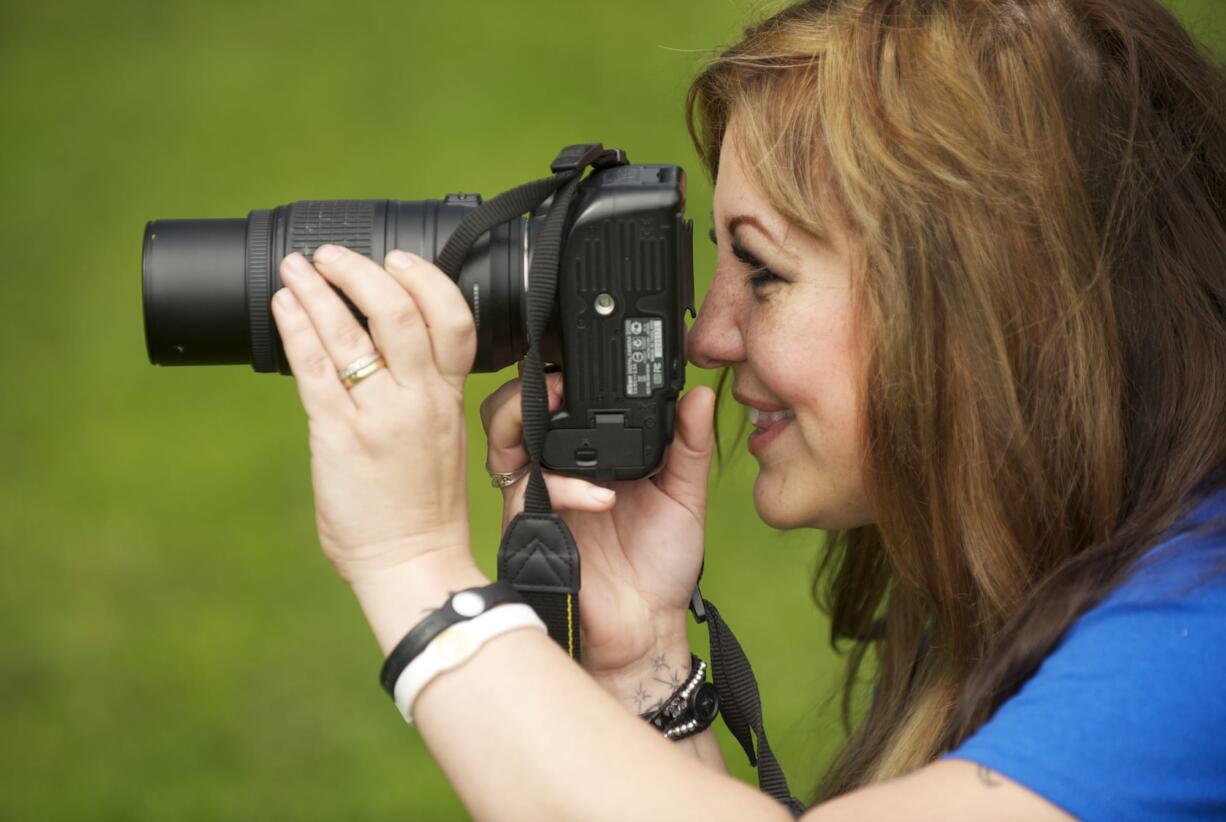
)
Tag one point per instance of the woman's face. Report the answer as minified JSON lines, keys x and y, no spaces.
{"x":789,"y":343}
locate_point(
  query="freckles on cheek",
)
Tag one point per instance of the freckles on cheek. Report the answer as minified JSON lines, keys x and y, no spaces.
{"x":801,"y":346}
{"x":819,"y":381}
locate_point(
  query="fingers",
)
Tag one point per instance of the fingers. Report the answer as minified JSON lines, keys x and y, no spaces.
{"x":396,"y":323}
{"x":335,"y":326}
{"x":503,"y":421}
{"x":565,"y":493}
{"x":452,"y":331}
{"x":321,"y":392}
{"x":684,"y":476}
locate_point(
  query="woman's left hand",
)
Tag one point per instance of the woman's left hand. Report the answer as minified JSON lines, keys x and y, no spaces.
{"x":388,"y":456}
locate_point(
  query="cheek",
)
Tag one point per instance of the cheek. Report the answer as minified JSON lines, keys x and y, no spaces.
{"x":826,"y":411}
{"x":805,"y":354}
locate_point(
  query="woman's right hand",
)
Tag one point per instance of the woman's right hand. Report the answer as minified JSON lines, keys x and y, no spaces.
{"x":640,"y":553}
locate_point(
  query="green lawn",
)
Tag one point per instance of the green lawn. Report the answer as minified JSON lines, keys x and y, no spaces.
{"x":174,"y":645}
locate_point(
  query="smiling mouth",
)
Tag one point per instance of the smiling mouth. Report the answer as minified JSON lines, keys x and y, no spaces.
{"x":765,"y":419}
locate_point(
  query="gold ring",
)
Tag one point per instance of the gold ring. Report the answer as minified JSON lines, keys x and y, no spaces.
{"x":501,"y":480}
{"x":360,"y":369}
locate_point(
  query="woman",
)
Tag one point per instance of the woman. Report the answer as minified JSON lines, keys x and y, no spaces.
{"x":970,"y":276}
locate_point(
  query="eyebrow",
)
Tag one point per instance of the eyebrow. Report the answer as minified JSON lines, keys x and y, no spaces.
{"x":736,"y":221}
{"x":739,"y":251}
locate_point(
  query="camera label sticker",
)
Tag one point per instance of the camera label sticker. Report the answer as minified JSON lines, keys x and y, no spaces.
{"x":644,"y":356}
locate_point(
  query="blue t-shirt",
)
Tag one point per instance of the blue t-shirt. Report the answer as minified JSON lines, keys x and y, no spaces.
{"x":1126,"y":718}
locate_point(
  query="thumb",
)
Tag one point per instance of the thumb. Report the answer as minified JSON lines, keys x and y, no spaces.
{"x":684,"y":476}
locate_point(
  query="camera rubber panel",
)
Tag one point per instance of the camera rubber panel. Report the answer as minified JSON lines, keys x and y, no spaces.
{"x":259,"y":290}
{"x":341,"y":222}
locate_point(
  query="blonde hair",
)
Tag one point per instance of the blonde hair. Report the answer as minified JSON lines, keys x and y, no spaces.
{"x":1038,"y":192}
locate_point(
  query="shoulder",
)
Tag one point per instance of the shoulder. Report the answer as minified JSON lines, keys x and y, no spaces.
{"x":950,"y":790}
{"x":1124,"y":720}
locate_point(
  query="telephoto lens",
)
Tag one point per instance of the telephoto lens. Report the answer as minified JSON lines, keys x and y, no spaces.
{"x":614,"y":263}
{"x":208,"y":284}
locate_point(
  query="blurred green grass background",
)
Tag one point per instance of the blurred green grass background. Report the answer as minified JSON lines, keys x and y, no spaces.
{"x":174,"y":646}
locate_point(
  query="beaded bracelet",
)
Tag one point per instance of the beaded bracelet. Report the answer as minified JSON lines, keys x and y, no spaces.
{"x":691,"y":709}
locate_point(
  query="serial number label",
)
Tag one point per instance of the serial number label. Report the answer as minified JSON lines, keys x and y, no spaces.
{"x":644,"y":356}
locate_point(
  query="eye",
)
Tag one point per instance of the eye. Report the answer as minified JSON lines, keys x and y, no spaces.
{"x":759,"y":274}
{"x":763,"y":277}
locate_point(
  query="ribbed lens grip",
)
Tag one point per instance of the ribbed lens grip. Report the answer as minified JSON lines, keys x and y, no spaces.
{"x":349,"y":223}
{"x":259,"y":290}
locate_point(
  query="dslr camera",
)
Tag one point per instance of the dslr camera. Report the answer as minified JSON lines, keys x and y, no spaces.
{"x":624,"y":281}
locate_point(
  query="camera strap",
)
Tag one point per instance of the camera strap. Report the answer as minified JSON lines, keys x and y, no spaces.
{"x":538,"y":555}
{"x":740,"y":704}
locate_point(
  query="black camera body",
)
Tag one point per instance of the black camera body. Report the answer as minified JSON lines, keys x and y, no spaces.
{"x":624,"y":284}
{"x":625,"y":281}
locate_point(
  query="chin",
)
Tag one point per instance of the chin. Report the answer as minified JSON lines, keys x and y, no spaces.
{"x":786,"y":515}
{"x":779,"y":513}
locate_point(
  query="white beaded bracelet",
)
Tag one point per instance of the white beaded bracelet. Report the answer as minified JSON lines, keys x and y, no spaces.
{"x":455,"y":646}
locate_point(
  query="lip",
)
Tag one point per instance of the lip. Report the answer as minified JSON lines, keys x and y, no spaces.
{"x":758,"y":404}
{"x":763,"y":437}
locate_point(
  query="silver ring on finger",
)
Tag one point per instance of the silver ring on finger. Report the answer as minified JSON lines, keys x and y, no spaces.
{"x":501,"y":480}
{"x":360,"y":369}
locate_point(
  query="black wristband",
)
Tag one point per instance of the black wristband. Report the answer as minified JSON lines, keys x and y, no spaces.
{"x":471,"y":602}
{"x":691,"y":708}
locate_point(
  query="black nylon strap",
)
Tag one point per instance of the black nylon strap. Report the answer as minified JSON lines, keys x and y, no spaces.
{"x":560,"y":613}
{"x":537,"y":555}
{"x":557,"y":603}
{"x":505,"y":207}
{"x":534,"y":398}
{"x":741,"y":707}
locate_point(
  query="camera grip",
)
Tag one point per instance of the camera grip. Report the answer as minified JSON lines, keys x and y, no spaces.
{"x":347,"y":223}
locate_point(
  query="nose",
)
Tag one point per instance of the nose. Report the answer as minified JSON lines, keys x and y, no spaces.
{"x":715,"y":340}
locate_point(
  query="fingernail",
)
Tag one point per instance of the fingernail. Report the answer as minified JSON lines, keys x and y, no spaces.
{"x":601,"y":495}
{"x":297,"y":267}
{"x":327,"y":253}
{"x":286,"y":299}
{"x":398,"y":259}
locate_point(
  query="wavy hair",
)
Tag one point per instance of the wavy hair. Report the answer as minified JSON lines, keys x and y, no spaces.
{"x":1037,"y":189}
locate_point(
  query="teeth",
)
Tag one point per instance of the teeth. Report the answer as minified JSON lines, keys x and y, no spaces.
{"x":765,"y":419}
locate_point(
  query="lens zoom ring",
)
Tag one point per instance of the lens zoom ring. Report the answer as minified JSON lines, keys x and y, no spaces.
{"x":259,"y":287}
{"x":347,"y":223}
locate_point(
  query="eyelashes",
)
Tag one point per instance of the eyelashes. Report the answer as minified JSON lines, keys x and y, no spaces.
{"x":759,"y":274}
{"x":764,"y":276}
